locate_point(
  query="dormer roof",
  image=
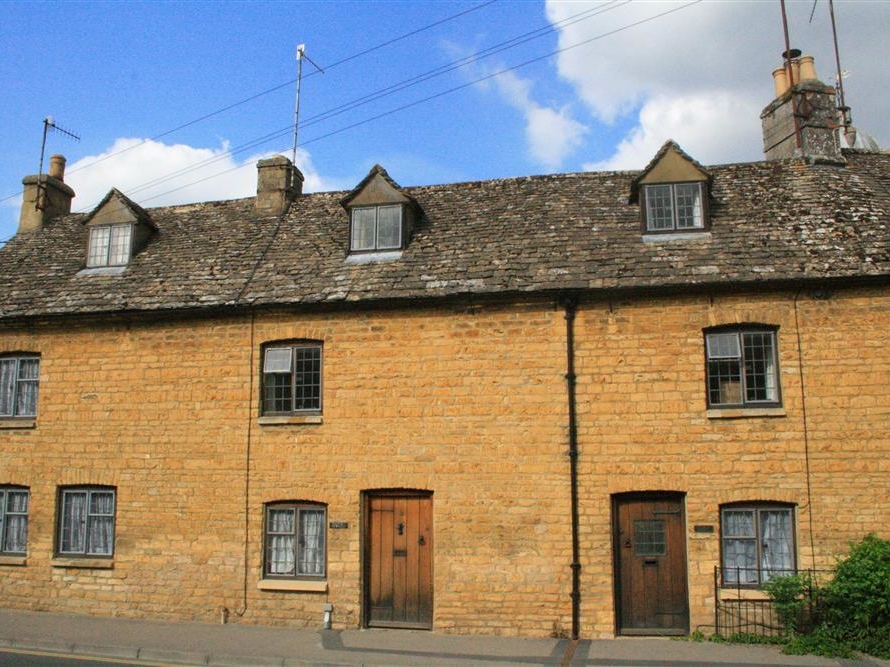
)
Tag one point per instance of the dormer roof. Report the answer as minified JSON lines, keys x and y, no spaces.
{"x":117,"y":208}
{"x":375,"y":189}
{"x":671,"y":164}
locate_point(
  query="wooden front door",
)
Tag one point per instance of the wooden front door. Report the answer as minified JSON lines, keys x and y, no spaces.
{"x":650,"y":558}
{"x":399,"y":560}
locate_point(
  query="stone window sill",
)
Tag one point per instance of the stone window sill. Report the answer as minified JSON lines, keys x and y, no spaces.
{"x":305,"y":585}
{"x":741,"y":413}
{"x":291,"y":419}
{"x":84,"y":563}
{"x":13,"y":560}
{"x":15,"y":422}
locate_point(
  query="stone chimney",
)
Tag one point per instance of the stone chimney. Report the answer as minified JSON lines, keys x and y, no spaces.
{"x":279,"y":182}
{"x":46,"y":196}
{"x":803,"y":119}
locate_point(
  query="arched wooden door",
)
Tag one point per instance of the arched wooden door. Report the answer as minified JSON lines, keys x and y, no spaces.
{"x":398,"y":559}
{"x":650,"y":562}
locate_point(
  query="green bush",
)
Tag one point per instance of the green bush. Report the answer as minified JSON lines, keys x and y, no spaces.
{"x":857,"y":600}
{"x":849,"y":614}
{"x":791,"y":595}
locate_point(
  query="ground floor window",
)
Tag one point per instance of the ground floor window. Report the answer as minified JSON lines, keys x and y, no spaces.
{"x":86,"y":521}
{"x":295,"y":540}
{"x":13,"y":520}
{"x":758,"y":543}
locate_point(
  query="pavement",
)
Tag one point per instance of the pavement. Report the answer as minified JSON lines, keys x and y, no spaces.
{"x":237,"y":645}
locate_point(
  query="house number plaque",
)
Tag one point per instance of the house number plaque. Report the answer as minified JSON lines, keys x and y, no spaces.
{"x":333,"y":525}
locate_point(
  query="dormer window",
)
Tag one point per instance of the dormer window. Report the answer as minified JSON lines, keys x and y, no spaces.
{"x":110,"y":245}
{"x":117,"y":229}
{"x":376,"y":228}
{"x":672,"y":192}
{"x":673,"y":207}
{"x":381,"y":217}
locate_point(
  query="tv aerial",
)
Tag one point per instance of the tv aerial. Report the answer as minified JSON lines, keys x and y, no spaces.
{"x":48,"y":125}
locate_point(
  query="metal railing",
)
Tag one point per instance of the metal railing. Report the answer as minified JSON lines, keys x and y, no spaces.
{"x":738,"y":612}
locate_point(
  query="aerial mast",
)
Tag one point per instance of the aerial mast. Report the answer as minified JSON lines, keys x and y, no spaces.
{"x":301,"y":54}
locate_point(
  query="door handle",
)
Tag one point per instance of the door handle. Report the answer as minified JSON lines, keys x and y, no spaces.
{"x":421,"y":541}
{"x":401,"y":528}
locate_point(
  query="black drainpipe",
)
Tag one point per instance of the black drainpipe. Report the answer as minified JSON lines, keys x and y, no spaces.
{"x":571,"y":306}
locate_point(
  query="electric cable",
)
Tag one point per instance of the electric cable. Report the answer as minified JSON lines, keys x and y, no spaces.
{"x":268,"y":91}
{"x":286,"y":131}
{"x":379,"y":94}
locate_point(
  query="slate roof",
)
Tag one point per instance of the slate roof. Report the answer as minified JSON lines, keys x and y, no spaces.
{"x":775,"y":221}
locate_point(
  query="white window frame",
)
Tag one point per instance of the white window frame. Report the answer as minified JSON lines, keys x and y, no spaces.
{"x":664,"y":203}
{"x":290,"y":552}
{"x":765,"y":563}
{"x":13,"y":386}
{"x":6,"y":512}
{"x":280,"y":360}
{"x":70,"y":543}
{"x":730,"y":347}
{"x":356,"y":241}
{"x":110,"y":245}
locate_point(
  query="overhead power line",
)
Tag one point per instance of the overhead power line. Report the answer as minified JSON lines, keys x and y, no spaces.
{"x":286,"y":131}
{"x":251,"y":98}
{"x":383,"y":92}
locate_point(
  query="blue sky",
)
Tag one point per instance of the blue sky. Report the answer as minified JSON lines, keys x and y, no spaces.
{"x":566,"y":86}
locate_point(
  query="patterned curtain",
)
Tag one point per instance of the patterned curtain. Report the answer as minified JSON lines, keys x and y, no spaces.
{"x":7,"y":386}
{"x":29,"y":370}
{"x":739,"y":547}
{"x":280,"y":549}
{"x":15,"y":538}
{"x":776,"y":552}
{"x":74,"y":522}
{"x":311,"y":556}
{"x":101,"y":523}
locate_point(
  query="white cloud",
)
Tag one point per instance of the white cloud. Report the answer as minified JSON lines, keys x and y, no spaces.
{"x":702,"y":74}
{"x":157,"y":174}
{"x":699,"y":123}
{"x":551,"y":133}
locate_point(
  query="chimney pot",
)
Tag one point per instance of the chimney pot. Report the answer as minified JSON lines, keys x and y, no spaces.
{"x":807,"y":68}
{"x":57,"y":167}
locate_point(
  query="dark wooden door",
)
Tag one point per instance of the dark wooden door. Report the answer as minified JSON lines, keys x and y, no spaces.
{"x":399,"y":560}
{"x":650,"y":550}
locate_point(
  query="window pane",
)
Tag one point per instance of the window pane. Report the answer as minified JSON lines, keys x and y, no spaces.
{"x":307,"y":378}
{"x":98,"y":252}
{"x":776,"y":548}
{"x":760,"y":370}
{"x":659,"y":211}
{"x":311,"y":545}
{"x":72,"y":538}
{"x":101,"y":535}
{"x":13,"y":521}
{"x":740,"y":561}
{"x":278,"y":360}
{"x":277,"y":393}
{"x":7,"y":386}
{"x":723,"y":346}
{"x":688,"y":197}
{"x":649,"y":538}
{"x":364,"y":222}
{"x":280,"y":541}
{"x":119,"y":245}
{"x":724,"y":382}
{"x":389,"y":227}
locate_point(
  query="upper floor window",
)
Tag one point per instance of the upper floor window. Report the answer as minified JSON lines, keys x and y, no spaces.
{"x":110,"y":245}
{"x":294,"y":540}
{"x":86,"y":521}
{"x":376,"y":228}
{"x":19,"y":376}
{"x":742,"y":368}
{"x":674,"y":207}
{"x":13,"y":519}
{"x":292,"y":379}
{"x":758,"y":543}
